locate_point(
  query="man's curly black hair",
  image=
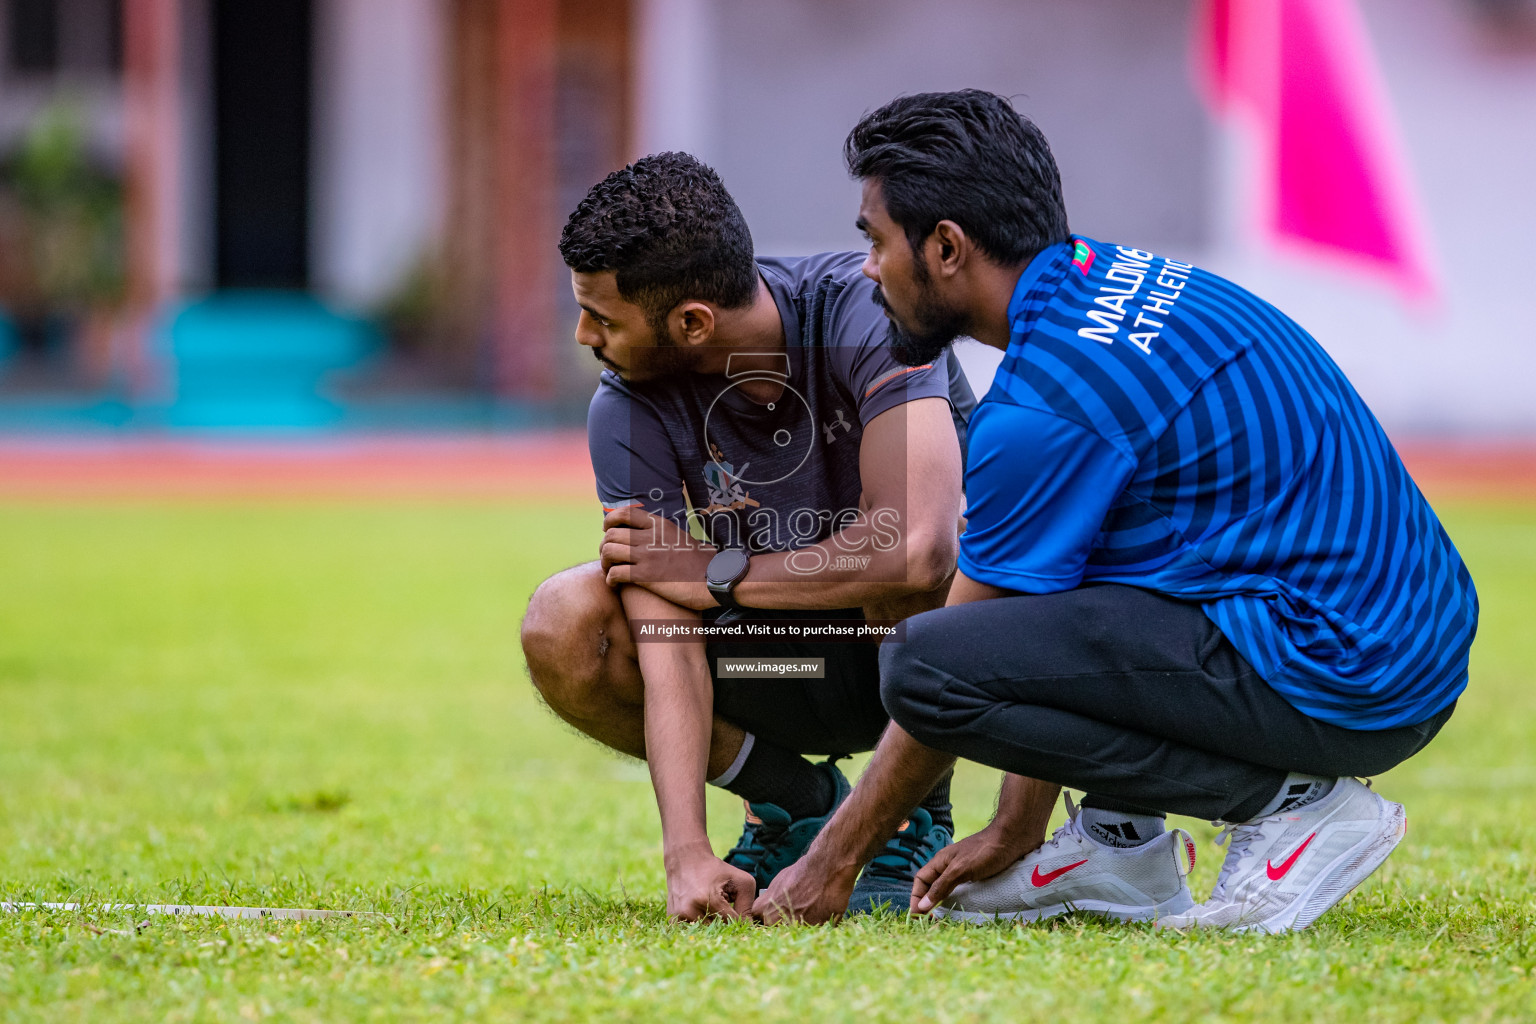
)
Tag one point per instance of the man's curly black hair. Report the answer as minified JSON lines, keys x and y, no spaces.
{"x":964,"y":156}
{"x":670,"y":231}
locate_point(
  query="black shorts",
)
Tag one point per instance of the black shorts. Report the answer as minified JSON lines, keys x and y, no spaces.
{"x":838,"y":714}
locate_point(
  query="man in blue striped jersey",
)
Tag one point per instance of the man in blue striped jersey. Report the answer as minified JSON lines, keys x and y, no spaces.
{"x":1195,"y":577}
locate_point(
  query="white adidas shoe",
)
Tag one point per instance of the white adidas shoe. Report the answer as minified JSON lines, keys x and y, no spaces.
{"x":1282,"y":872}
{"x":1073,"y":872}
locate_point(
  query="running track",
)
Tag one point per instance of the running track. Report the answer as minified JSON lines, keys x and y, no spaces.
{"x":541,"y":466}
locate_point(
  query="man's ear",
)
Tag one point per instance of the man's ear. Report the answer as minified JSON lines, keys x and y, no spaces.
{"x":948,"y":248}
{"x":691,"y":323}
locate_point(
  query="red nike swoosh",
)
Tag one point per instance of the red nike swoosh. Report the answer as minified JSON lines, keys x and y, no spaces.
{"x":1277,"y":873}
{"x":1047,"y":879}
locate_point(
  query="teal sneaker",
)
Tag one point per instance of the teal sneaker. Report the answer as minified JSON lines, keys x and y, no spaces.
{"x":771,"y":841}
{"x":885,"y":885}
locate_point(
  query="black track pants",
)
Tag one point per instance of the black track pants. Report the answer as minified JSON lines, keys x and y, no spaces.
{"x":1135,"y":698}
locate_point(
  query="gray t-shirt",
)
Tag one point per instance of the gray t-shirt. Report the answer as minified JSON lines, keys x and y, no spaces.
{"x":780,"y":476}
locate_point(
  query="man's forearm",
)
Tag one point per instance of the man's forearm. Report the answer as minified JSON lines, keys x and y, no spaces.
{"x":901,"y":540}
{"x":679,"y":714}
{"x":900,"y":774}
{"x":824,"y":575}
{"x":848,"y":570}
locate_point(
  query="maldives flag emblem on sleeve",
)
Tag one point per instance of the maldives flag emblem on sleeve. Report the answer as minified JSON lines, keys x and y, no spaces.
{"x":1082,"y":257}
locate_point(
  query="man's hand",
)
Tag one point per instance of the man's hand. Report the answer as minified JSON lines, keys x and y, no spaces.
{"x":654,"y":553}
{"x":803,"y":892}
{"x":973,"y":858}
{"x":702,"y":886}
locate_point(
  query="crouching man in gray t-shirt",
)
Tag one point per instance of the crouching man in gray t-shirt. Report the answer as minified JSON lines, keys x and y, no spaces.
{"x":779,"y":490}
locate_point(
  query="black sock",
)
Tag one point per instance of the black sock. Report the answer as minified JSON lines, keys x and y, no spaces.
{"x":936,"y":803}
{"x":770,"y":774}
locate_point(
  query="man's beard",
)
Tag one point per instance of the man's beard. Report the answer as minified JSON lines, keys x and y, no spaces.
{"x":934,"y":327}
{"x":665,"y":358}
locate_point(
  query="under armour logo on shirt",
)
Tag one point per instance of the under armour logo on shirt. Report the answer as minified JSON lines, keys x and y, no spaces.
{"x":830,"y":429}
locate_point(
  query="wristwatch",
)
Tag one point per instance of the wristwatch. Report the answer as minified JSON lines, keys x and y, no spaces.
{"x":726,"y":569}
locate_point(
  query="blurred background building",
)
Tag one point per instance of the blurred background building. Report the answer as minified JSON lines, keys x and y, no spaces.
{"x":311,"y":214}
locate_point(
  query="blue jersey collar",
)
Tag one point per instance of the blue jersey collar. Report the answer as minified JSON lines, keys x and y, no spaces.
{"x":1036,"y":284}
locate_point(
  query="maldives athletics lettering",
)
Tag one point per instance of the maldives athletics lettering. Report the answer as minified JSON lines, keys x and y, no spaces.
{"x":1122,"y":295}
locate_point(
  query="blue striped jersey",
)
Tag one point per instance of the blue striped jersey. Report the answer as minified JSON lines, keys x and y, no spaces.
{"x":1154,"y":425}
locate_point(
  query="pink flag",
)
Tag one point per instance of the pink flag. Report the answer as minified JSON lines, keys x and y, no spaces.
{"x":1301,"y":72}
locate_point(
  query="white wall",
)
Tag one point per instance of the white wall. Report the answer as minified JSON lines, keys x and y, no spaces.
{"x":378,"y":143}
{"x":674,"y":49}
{"x":766,"y":93}
{"x":784,"y":81}
{"x":779,"y":84}
{"x":1467,"y":114}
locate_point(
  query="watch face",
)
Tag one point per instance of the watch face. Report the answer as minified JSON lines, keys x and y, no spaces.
{"x":727,"y":567}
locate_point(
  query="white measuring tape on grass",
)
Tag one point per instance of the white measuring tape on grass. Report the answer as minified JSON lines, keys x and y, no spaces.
{"x":189,"y":910}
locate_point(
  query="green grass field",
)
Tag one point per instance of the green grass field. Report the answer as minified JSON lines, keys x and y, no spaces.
{"x":324,"y":705}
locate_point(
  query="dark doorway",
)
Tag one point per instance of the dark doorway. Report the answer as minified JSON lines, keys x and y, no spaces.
{"x":261,"y":116}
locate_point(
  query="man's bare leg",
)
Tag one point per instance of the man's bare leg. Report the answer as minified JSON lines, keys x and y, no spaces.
{"x":583,"y":662}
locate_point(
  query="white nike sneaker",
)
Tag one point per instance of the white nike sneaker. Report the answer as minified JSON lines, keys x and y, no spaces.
{"x":1073,"y":872}
{"x":1282,"y":872}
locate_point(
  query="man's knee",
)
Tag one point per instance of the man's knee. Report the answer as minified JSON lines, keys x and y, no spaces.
{"x":570,"y":630}
{"x":911,"y":681}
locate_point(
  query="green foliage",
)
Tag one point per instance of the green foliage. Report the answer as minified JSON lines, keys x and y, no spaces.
{"x":417,"y":307}
{"x":70,"y":214}
{"x":324,"y":705}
